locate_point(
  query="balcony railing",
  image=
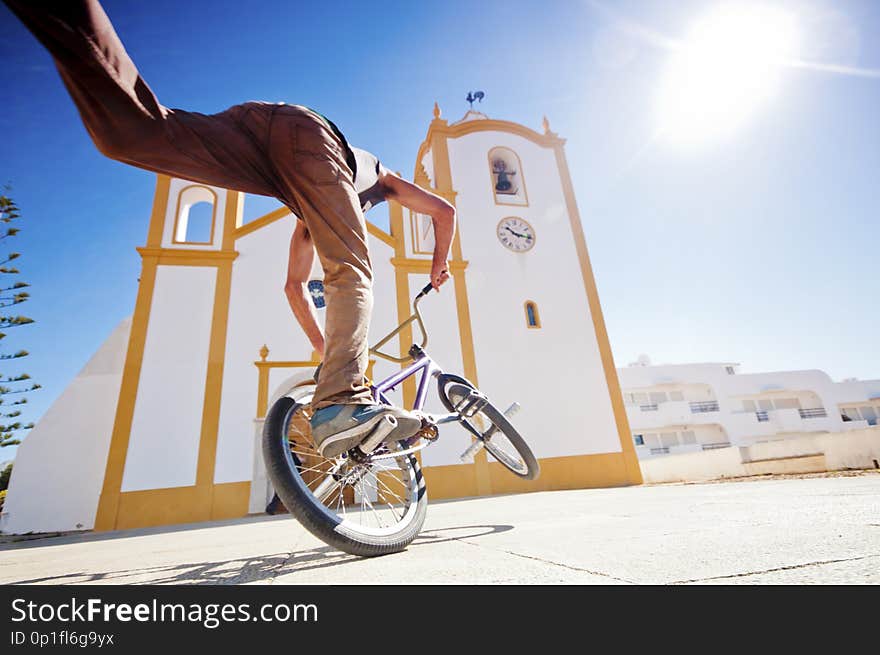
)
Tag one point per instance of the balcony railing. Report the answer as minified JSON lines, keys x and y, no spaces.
{"x":704,"y":406}
{"x":649,"y":408}
{"x":763,"y":416}
{"x":659,"y":451}
{"x":713,"y":446}
{"x":813,"y":412}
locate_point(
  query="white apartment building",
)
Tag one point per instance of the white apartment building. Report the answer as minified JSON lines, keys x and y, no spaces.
{"x":691,"y":407}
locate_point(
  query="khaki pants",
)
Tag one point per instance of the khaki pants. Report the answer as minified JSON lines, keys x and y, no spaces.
{"x":285,"y":151}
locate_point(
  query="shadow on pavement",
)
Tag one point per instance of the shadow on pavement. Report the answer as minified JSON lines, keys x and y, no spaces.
{"x":15,"y":542}
{"x":253,"y":569}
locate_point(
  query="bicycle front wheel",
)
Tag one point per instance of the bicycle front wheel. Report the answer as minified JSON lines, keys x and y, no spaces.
{"x":499,"y":437}
{"x":369,"y":508}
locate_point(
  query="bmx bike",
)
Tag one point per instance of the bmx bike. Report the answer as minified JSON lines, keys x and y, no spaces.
{"x":372,"y":500}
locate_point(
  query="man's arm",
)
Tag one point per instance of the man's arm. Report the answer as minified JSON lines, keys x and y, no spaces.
{"x":299,"y":266}
{"x":441,"y":212}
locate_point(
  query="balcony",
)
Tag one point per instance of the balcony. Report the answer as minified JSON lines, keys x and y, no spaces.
{"x":704,"y":407}
{"x":673,"y":412}
{"x":764,"y":423}
{"x":715,"y":446}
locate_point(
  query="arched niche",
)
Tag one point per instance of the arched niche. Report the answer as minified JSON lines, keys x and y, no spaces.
{"x":196,"y":216}
{"x":506,"y":174}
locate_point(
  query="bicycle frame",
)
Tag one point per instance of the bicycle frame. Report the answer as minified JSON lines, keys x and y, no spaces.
{"x":421,"y":362}
{"x":430,"y":370}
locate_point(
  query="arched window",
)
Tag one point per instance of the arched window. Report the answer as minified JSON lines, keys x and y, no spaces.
{"x":508,"y":184}
{"x":533,"y":318}
{"x":196,"y":210}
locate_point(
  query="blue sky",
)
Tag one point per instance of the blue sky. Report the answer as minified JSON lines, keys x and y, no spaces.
{"x":759,"y":247}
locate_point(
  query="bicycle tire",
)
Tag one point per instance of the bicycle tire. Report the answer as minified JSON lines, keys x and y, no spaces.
{"x":284,"y":472}
{"x":501,"y":423}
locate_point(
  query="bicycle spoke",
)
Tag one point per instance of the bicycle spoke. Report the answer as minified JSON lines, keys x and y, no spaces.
{"x":319,"y":468}
{"x":305,"y":453}
{"x":390,"y":505}
{"x":373,"y":509}
{"x":379,"y":480}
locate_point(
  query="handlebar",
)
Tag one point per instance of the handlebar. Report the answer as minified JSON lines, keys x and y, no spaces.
{"x":415,"y":316}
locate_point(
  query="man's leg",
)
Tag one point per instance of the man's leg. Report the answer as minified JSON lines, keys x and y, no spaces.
{"x":312,"y":164}
{"x":124,"y":117}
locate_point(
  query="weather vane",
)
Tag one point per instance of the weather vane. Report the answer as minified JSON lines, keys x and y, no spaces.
{"x":475,"y":95}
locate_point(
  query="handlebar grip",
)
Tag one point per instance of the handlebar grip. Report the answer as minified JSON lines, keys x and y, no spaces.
{"x":425,"y":291}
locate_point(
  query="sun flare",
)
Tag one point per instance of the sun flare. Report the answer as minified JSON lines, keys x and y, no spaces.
{"x":729,"y":64}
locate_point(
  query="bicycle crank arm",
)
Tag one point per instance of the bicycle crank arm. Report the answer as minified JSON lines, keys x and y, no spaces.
{"x":328,"y":484}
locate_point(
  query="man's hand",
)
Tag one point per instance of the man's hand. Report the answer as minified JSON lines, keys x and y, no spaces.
{"x":439,"y":273}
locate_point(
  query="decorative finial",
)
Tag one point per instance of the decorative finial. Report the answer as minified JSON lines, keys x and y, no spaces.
{"x":546,"y":124}
{"x":264,"y":353}
{"x":436,"y":110}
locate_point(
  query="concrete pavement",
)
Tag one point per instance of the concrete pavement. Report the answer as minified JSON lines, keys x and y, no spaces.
{"x":813,"y":530}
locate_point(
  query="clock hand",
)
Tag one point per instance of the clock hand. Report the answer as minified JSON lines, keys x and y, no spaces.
{"x":521,"y":236}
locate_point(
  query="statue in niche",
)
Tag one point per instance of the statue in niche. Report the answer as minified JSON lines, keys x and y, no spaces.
{"x":503,"y":184}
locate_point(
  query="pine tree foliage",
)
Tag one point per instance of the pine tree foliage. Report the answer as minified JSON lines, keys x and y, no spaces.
{"x":14,"y":385}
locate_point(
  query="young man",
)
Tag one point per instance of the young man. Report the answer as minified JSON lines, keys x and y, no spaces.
{"x":286,"y":151}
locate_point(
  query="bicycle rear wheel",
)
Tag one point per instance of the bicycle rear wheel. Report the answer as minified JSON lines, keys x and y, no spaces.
{"x":368,"y":508}
{"x":499,"y":436}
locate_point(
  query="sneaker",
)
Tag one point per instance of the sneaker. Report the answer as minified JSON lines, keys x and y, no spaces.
{"x":339,"y":428}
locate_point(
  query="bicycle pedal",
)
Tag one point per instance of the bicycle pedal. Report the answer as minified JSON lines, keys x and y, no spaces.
{"x":472,"y":450}
{"x":377,"y":435}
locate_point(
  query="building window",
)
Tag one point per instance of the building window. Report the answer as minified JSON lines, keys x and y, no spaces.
{"x":730,"y":370}
{"x":639,"y":439}
{"x":533,"y":318}
{"x":194,"y":221}
{"x":316,"y":288}
{"x":508,"y":185}
{"x":865,"y":413}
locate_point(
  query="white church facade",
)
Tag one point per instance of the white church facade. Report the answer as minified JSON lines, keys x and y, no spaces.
{"x":163,"y":424}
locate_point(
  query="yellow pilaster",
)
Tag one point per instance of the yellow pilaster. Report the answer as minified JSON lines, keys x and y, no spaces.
{"x":443,"y":183}
{"x":631,"y":462}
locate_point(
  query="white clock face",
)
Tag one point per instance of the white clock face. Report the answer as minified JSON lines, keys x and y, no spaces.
{"x":516,"y":234}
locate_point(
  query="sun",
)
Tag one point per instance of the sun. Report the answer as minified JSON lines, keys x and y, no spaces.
{"x":728,"y":66}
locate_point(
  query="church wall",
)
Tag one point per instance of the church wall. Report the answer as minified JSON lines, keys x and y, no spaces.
{"x":166,"y":427}
{"x":258,"y":314}
{"x":59,"y":468}
{"x":566,"y":407}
